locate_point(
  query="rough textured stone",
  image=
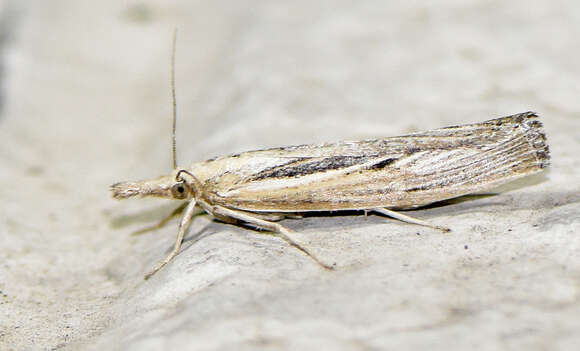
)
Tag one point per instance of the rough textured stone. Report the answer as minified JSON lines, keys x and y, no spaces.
{"x":86,"y":103}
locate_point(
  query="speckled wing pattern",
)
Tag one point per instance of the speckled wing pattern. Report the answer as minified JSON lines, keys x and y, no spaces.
{"x":396,"y":172}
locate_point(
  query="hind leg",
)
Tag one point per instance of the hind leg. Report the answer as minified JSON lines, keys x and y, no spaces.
{"x":408,"y":219}
{"x":260,"y":223}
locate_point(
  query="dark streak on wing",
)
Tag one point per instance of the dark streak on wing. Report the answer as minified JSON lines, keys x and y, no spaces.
{"x":419,"y":188}
{"x":384,"y":163}
{"x":302,"y":167}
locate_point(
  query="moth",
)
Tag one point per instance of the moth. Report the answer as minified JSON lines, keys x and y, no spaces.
{"x":259,"y":188}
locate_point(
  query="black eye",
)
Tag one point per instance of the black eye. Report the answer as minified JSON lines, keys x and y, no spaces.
{"x":179,"y":191}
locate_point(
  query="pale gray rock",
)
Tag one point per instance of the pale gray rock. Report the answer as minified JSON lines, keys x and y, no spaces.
{"x":86,"y":103}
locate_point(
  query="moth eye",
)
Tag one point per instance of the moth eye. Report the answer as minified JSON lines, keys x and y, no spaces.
{"x":179,"y":191}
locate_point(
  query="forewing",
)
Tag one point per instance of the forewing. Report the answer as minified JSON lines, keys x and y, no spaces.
{"x":398,"y":172}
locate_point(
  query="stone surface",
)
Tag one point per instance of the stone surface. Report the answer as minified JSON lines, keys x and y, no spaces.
{"x":86,"y":103}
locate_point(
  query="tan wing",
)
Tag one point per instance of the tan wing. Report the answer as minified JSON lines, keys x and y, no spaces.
{"x":398,"y":172}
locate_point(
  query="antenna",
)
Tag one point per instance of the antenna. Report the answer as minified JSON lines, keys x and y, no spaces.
{"x":173,"y":99}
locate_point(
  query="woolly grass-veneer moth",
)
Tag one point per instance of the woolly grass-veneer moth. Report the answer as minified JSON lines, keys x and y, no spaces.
{"x":405,"y":172}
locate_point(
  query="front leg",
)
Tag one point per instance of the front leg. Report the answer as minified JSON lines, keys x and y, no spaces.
{"x":166,"y":219}
{"x":190,"y":211}
{"x":283,"y":232}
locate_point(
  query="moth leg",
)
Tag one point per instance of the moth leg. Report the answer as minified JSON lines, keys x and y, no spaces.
{"x":273,"y":217}
{"x":293,"y":216}
{"x":408,"y":219}
{"x":282,"y":231}
{"x":288,"y":215}
{"x":165,"y":220}
{"x":190,"y":211}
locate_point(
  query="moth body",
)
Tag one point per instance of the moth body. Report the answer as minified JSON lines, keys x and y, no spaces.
{"x":398,"y":172}
{"x":401,"y":172}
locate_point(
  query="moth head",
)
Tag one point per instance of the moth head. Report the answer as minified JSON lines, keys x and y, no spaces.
{"x":173,"y":186}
